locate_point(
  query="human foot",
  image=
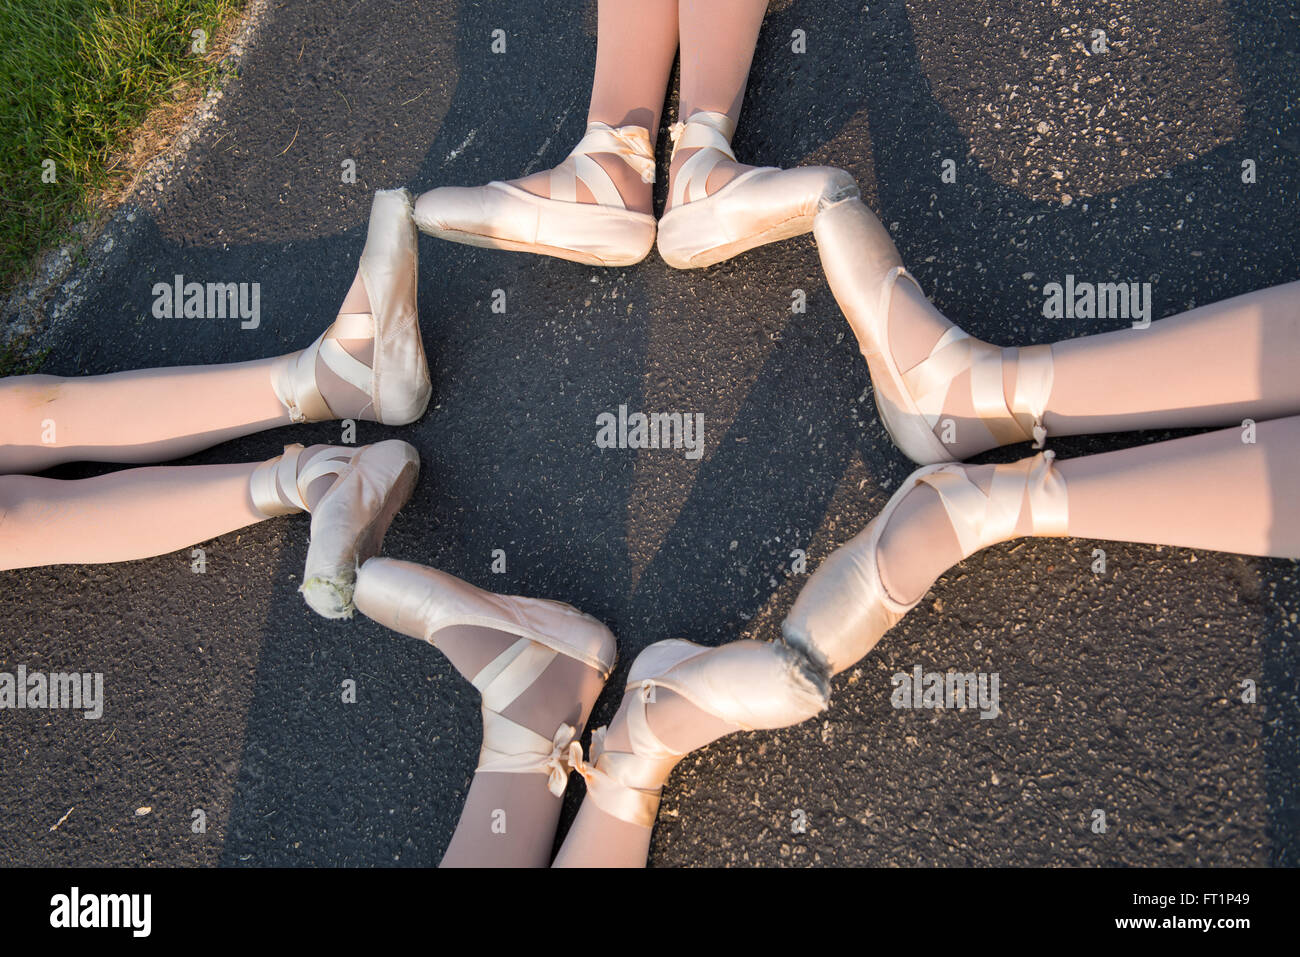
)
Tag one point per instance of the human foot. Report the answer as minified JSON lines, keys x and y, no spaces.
{"x":539,"y":665}
{"x":940,"y":515}
{"x":942,"y":395}
{"x":594,"y":208}
{"x":352,"y":495}
{"x":680,"y":697}
{"x":719,"y":208}
{"x":370,"y":363}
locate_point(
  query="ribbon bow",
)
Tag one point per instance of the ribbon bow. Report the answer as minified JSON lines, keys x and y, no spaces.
{"x":635,"y":150}
{"x":556,"y":764}
{"x":576,"y":760}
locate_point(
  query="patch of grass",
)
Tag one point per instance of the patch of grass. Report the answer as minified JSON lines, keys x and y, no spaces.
{"x":76,"y":79}
{"x":14,"y":360}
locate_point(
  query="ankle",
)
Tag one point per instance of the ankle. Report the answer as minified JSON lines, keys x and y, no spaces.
{"x":920,"y":543}
{"x":917,"y":546}
{"x":562,"y":695}
{"x":637,"y":194}
{"x":317,"y":488}
{"x":675,"y":721}
{"x":719,"y":176}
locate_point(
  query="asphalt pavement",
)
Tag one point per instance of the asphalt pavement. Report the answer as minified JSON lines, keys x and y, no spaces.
{"x":1119,"y":692}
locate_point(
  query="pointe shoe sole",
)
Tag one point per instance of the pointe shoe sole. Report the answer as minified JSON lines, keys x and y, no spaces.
{"x":330,"y":592}
{"x":501,"y":216}
{"x":743,"y":215}
{"x":419,"y":601}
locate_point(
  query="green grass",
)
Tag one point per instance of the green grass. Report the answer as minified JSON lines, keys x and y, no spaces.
{"x":15,"y":360}
{"x":76,"y":78}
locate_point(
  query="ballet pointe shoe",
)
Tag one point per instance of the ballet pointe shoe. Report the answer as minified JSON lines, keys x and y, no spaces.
{"x":863,"y":268}
{"x":349,"y":521}
{"x":397,"y":380}
{"x":754,"y":685}
{"x":757,"y":207}
{"x":420,"y":602}
{"x":503,"y":216}
{"x":844,"y":609}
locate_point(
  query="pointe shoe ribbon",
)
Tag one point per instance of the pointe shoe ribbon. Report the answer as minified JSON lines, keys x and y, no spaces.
{"x":980,"y":520}
{"x":510,"y":748}
{"x":710,"y":133}
{"x":630,"y":143}
{"x":294,"y":381}
{"x":276,"y":486}
{"x":956,"y":351}
{"x":759,"y":206}
{"x":627,"y":786}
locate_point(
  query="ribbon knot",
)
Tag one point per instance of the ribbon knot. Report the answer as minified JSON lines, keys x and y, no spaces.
{"x":556,"y":764}
{"x":635,"y":156}
{"x":632,"y":147}
{"x":578,"y":763}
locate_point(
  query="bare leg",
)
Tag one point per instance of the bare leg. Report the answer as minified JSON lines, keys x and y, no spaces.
{"x":1212,"y":366}
{"x":150,"y":415}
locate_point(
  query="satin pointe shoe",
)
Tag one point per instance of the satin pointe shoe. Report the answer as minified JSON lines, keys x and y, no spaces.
{"x":755,"y":685}
{"x":397,"y":380}
{"x":757,"y":207}
{"x":844,"y":609}
{"x":863,"y":269}
{"x":420,"y":602}
{"x":349,"y":521}
{"x":503,"y":216}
